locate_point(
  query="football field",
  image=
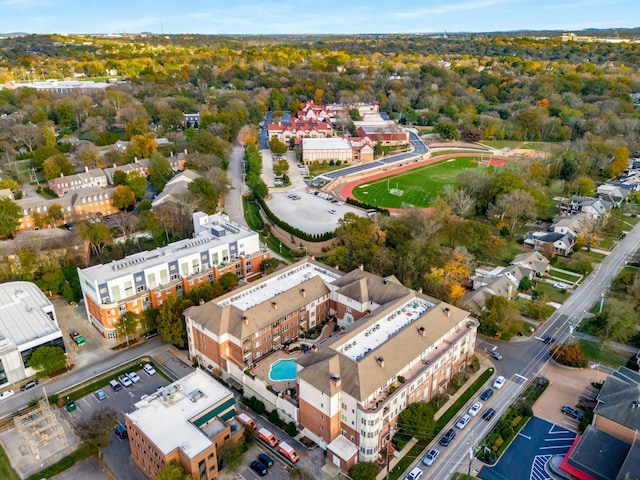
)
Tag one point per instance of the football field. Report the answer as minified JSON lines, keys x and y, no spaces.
{"x":417,"y":187}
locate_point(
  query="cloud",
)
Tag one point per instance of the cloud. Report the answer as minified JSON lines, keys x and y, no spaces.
{"x":448,"y":8}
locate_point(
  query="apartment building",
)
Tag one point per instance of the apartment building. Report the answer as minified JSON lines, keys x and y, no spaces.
{"x":89,"y":178}
{"x":146,"y":279}
{"x":185,"y":422}
{"x":397,"y":346}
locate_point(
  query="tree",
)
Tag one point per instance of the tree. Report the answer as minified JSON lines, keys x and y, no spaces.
{"x":447,"y":130}
{"x":570,"y":355}
{"x":41,"y":153}
{"x":620,"y":323}
{"x":27,"y":135}
{"x":172,"y":471}
{"x":47,"y":360}
{"x":141,"y":146}
{"x":10,"y":214}
{"x":276,"y":146}
{"x":87,"y":155}
{"x":516,"y":206}
{"x":95,"y":432}
{"x":128,"y":325}
{"x":54,"y":166}
{"x":136,"y":182}
{"x":159,"y":172}
{"x":363,"y":471}
{"x":9,"y":184}
{"x":525,"y":284}
{"x":98,"y":235}
{"x":55,"y":215}
{"x":119,"y":177}
{"x":500,"y":318}
{"x":418,"y":420}
{"x":206,"y":195}
{"x":619,"y":162}
{"x":170,"y":321}
{"x":123,"y":197}
{"x":586,"y":187}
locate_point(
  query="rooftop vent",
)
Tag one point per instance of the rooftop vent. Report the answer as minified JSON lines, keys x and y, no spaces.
{"x":380,"y":361}
{"x":447,"y":311}
{"x":195,"y":395}
{"x":422,"y":331}
{"x":274,"y":305}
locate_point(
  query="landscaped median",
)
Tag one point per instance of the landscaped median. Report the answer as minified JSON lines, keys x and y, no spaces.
{"x":418,"y":449}
{"x":513,"y":420}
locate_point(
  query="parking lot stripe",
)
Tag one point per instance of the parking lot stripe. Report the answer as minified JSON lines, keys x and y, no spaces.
{"x":525,"y":436}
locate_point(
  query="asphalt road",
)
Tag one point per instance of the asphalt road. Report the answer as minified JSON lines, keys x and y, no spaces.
{"x":523,"y":360}
{"x":233,"y":196}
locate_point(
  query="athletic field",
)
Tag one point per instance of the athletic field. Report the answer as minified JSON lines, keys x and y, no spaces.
{"x":417,"y":187}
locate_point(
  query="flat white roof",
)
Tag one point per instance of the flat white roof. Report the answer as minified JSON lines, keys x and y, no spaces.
{"x":22,"y":314}
{"x":165,"y":420}
{"x":367,"y":341}
{"x":331,"y":143}
{"x":174,"y":251}
{"x":264,"y":291}
{"x":343,"y":448}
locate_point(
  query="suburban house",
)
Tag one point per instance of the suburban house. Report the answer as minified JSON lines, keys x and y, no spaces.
{"x":89,"y":178}
{"x":552,"y":242}
{"x":503,"y":281}
{"x":176,"y":188}
{"x":615,"y":193}
{"x":186,"y":422}
{"x":533,"y":261}
{"x":594,"y":207}
{"x":140,"y":166}
{"x":396,"y":346}
{"x":145,"y":280}
{"x":610,"y":447}
{"x":191,"y":119}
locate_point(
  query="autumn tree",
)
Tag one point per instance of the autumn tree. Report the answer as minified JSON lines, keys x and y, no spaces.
{"x":136,"y":182}
{"x":55,"y":214}
{"x":619,"y":163}
{"x":97,"y":234}
{"x":515,"y":207}
{"x":357,"y":240}
{"x":172,"y":471}
{"x":276,"y":146}
{"x":123,"y":197}
{"x":141,"y":146}
{"x":9,"y":184}
{"x":570,"y":355}
{"x":57,"y":165}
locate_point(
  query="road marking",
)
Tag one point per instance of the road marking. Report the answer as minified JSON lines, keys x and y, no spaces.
{"x":525,"y":436}
{"x":520,"y":376}
{"x":559,"y":439}
{"x":566,"y":447}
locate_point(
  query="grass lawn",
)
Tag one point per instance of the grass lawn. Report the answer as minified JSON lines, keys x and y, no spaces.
{"x":565,"y":275}
{"x":607,"y":356}
{"x":593,"y":256}
{"x":502,"y":143}
{"x":553,"y":293}
{"x":6,"y":470}
{"x":419,"y":186}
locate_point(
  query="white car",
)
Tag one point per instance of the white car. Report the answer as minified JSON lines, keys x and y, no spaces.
{"x":7,"y":394}
{"x":125,"y":381}
{"x":148,"y":369}
{"x":134,"y":377}
{"x":560,"y":286}
{"x":431,"y":457}
{"x":464,"y":420}
{"x":475,"y":408}
{"x":499,"y":382}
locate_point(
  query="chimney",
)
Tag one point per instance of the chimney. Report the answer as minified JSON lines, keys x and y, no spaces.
{"x":201,"y":302}
{"x":86,"y":169}
{"x":303,"y":292}
{"x":61,"y":175}
{"x":420,"y":290}
{"x":245,"y":320}
{"x":171,"y":154}
{"x":361,"y":266}
{"x":380,"y":361}
{"x":185,"y":151}
{"x":135,"y":159}
{"x":422,"y":331}
{"x":274,"y":305}
{"x":384,"y":281}
{"x":447,"y":312}
{"x":114,"y":165}
{"x":335,"y":379}
{"x":314,"y":348}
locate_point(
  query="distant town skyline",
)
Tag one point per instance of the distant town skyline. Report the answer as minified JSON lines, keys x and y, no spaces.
{"x":313,"y":17}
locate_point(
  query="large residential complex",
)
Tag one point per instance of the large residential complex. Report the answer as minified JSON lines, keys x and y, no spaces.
{"x":397,"y":346}
{"x":144,"y":280}
{"x":185,"y":422}
{"x":27,"y":321}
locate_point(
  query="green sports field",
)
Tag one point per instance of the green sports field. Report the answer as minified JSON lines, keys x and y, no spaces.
{"x":419,"y":186}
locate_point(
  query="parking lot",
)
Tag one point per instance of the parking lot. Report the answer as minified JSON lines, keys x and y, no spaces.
{"x":530,"y":450}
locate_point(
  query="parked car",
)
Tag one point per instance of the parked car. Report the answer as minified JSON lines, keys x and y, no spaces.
{"x":7,"y":394}
{"x":560,"y":286}
{"x":447,"y":437}
{"x":431,"y":457}
{"x":259,"y":468}
{"x":28,"y":385}
{"x":332,"y":211}
{"x":148,"y":369}
{"x":572,"y":412}
{"x":100,"y":395}
{"x":414,"y":474}
{"x":124,"y":380}
{"x":134,"y":377}
{"x":464,"y":421}
{"x":70,"y":406}
{"x":150,"y":334}
{"x":266,"y":460}
{"x":115,"y":386}
{"x":120,"y":431}
{"x":495,"y":354}
{"x":549,"y":340}
{"x":487,"y":394}
{"x":499,"y":382}
{"x":488,"y":415}
{"x":475,"y":408}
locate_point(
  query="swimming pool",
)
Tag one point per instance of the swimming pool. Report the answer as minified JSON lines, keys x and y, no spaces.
{"x":283,"y":370}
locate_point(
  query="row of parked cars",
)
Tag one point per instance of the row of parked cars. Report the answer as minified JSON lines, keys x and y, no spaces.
{"x":129,"y":378}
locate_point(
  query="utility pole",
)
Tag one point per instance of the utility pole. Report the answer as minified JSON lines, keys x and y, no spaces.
{"x":473,"y":441}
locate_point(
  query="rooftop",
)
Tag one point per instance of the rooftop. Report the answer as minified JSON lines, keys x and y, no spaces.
{"x":171,"y":418}
{"x":331,"y":143}
{"x":22,"y":315}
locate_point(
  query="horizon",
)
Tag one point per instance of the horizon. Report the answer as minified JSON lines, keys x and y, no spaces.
{"x":259,"y":17}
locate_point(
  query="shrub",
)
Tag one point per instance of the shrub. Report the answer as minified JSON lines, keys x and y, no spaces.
{"x":516,"y":421}
{"x":401,"y":379}
{"x":497,"y":444}
{"x":292,"y":430}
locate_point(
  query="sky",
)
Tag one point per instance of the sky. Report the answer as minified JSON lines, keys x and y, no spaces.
{"x":312,"y":16}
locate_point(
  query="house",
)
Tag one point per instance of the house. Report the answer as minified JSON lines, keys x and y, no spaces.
{"x":299,"y":129}
{"x":533,"y":261}
{"x":572,"y":224}
{"x":192,"y":119}
{"x":7,"y":193}
{"x":594,"y":207}
{"x":140,"y":166}
{"x":615,"y":193}
{"x":503,"y":281}
{"x":197,"y":418}
{"x":554,"y":242}
{"x":398,"y":346}
{"x":145,"y":280}
{"x":388,"y":134}
{"x":176,"y":188}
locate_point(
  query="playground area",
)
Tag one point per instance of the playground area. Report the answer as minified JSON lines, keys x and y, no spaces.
{"x":416,"y":186}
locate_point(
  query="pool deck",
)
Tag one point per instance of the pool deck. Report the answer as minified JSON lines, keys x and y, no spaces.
{"x":262,"y":369}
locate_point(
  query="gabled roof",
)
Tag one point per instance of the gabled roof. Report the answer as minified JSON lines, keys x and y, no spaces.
{"x":532,"y":260}
{"x":378,"y":290}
